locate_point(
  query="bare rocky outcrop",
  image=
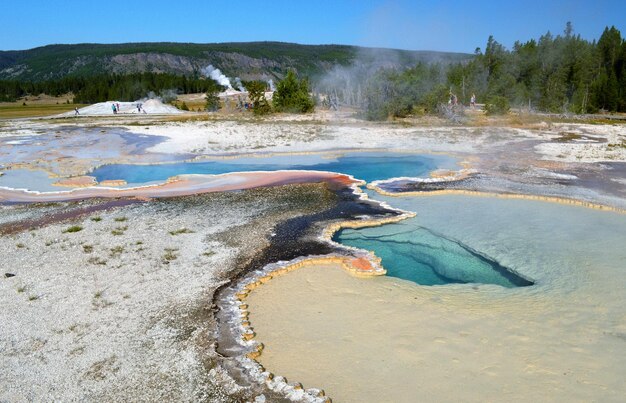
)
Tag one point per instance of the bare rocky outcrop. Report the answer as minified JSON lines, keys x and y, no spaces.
{"x":153,"y":62}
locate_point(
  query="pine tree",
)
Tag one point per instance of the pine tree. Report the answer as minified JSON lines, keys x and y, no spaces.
{"x":292,"y":95}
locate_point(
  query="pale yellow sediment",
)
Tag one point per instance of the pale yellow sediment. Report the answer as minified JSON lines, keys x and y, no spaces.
{"x":343,"y":261}
{"x":113,"y":182}
{"x":550,"y":199}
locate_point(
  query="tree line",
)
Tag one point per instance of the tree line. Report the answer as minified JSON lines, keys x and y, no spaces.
{"x":560,"y":74}
{"x":105,"y":87}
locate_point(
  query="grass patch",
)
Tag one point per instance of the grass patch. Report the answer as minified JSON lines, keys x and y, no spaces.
{"x":170,"y":255}
{"x":87,"y":248}
{"x":97,"y":261}
{"x":119,"y":230}
{"x":99,"y":301}
{"x":96,"y":219}
{"x":566,"y":137}
{"x":208,"y":253}
{"x":21,"y":289}
{"x":33,"y":297}
{"x":121,"y":219}
{"x":20,"y":245}
{"x":116,"y":251}
{"x":73,"y":228}
{"x":617,"y":145}
{"x":20,"y":111}
{"x":181,"y":231}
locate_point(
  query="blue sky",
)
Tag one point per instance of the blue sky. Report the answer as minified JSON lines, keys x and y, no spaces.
{"x":450,"y":25}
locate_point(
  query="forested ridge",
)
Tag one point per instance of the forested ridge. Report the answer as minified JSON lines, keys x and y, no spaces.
{"x":247,"y":60}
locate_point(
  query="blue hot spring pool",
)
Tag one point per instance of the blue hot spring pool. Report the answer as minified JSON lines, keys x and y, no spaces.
{"x":368,"y":166}
{"x":419,"y":254}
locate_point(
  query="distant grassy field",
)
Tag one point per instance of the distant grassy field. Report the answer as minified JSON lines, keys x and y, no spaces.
{"x":14,"y":110}
{"x":194,"y":102}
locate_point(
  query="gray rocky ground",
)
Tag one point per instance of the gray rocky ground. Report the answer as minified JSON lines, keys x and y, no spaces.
{"x":120,"y":310}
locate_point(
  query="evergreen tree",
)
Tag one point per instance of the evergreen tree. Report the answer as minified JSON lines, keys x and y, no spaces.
{"x":292,"y":95}
{"x":212,"y":101}
{"x":256,"y":92}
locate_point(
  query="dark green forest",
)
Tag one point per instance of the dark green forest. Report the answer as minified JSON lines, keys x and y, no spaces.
{"x":559,"y":74}
{"x":129,"y":87}
{"x":555,"y":73}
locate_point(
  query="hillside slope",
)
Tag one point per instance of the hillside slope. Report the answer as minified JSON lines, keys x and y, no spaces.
{"x":249,"y":60}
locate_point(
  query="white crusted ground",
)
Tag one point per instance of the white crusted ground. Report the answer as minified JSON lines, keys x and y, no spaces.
{"x":120,"y":310}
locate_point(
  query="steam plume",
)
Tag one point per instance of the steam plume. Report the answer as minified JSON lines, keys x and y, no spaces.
{"x":239,"y":85}
{"x":217,"y":75}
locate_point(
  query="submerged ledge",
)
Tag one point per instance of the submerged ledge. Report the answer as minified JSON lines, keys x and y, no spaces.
{"x":500,"y":195}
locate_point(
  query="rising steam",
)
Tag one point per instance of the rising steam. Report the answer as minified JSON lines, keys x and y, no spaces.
{"x":239,"y":85}
{"x":217,"y":75}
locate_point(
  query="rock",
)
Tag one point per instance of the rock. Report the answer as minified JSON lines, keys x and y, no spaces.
{"x":9,"y":275}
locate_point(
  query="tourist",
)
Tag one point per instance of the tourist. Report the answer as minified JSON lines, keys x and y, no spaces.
{"x":114,"y":109}
{"x":76,"y":111}
{"x":473,"y":101}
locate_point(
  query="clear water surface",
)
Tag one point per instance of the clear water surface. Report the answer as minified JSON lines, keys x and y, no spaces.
{"x":368,"y":166}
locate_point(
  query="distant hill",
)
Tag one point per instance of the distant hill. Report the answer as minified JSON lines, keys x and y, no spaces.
{"x":248,"y":60}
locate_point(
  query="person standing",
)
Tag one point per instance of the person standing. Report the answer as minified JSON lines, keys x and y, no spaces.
{"x":114,"y":109}
{"x":76,"y":111}
{"x":473,"y":101}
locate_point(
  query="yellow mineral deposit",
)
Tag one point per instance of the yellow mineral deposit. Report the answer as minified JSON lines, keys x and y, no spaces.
{"x":113,"y":183}
{"x":551,"y":199}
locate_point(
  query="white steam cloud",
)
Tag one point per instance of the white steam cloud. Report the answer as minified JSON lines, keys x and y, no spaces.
{"x":270,"y":82}
{"x":217,"y":75}
{"x":239,"y":85}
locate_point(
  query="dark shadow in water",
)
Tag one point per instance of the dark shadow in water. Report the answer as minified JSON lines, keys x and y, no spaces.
{"x":427,"y":257}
